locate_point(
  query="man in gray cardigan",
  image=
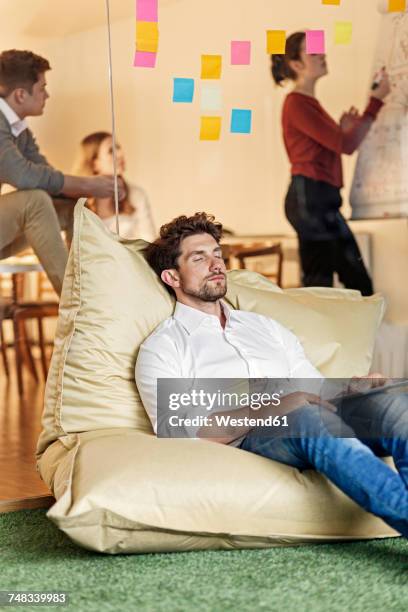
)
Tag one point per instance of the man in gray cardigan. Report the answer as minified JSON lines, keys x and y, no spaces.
{"x":40,"y":208}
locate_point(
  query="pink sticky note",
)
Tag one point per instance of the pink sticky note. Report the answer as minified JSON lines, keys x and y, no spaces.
{"x":315,"y":42}
{"x":240,"y":52}
{"x":145,"y":59}
{"x":146,"y":10}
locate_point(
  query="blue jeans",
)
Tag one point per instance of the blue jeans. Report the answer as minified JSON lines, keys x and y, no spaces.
{"x":351,"y":461}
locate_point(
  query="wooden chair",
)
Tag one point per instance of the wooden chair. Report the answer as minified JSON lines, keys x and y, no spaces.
{"x":48,"y":298}
{"x":227,"y":252}
{"x":3,"y":346}
{"x":21,"y":345}
{"x":18,"y":311}
{"x":28,"y":311}
{"x":242,"y":254}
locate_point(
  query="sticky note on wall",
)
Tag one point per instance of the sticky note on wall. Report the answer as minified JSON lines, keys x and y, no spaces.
{"x":343,"y":31}
{"x":241,"y":120}
{"x":315,"y":41}
{"x":275,"y":42}
{"x":240,"y":52}
{"x":144,"y":59}
{"x":183,"y":90}
{"x":334,"y":2}
{"x":211,"y":66}
{"x":210,"y":128}
{"x":146,"y":10}
{"x":147,"y":36}
{"x":396,"y":6}
{"x":211,"y":98}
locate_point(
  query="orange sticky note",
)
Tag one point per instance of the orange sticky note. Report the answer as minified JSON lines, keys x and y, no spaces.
{"x":211,"y":66}
{"x":334,"y":2}
{"x":343,"y":31}
{"x":397,"y":6}
{"x":147,"y":36}
{"x":275,"y":42}
{"x":210,"y":128}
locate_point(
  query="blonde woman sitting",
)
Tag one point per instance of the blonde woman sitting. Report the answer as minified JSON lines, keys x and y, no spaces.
{"x":135,"y":216}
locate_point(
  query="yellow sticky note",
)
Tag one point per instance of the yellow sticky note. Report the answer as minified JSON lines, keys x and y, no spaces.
{"x":335,"y":2}
{"x":211,"y":66}
{"x":210,"y":128}
{"x":147,"y":36}
{"x":396,"y":6}
{"x":343,"y":31}
{"x":275,"y":41}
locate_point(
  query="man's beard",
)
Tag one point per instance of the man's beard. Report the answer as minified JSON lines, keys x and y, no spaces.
{"x":208,"y":292}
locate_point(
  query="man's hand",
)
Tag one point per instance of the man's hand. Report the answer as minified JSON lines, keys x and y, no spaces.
{"x":288,"y":403}
{"x":104,"y":187}
{"x":359,"y":384}
{"x":92,"y":187}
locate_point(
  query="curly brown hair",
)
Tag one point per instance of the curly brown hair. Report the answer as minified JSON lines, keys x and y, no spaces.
{"x":20,"y":69}
{"x":163,"y":253}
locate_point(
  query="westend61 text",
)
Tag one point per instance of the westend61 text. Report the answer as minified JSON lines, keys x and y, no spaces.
{"x":223,"y":420}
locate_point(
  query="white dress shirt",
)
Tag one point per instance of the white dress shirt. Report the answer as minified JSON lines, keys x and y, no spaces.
{"x":192,"y":344}
{"x":17,"y":125}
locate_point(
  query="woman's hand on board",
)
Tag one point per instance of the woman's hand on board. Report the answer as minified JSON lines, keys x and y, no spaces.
{"x":383,"y":86}
{"x":349,"y":118}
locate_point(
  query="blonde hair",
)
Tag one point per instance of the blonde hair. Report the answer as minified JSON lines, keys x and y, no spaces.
{"x":85,"y":166}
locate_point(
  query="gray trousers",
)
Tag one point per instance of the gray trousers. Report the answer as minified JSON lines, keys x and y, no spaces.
{"x":31,"y":218}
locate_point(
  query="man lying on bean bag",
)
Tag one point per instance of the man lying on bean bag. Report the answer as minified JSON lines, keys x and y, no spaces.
{"x":205,"y":339}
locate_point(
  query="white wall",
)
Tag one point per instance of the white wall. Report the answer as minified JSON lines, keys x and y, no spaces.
{"x":241,"y":179}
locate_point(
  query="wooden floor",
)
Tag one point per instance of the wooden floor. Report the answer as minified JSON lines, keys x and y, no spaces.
{"x":20,"y":425}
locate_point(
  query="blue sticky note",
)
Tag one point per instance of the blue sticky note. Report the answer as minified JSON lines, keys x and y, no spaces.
{"x":241,"y":121}
{"x":183,"y":90}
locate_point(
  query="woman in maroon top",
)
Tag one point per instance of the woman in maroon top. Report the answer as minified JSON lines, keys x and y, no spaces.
{"x":314,"y":143}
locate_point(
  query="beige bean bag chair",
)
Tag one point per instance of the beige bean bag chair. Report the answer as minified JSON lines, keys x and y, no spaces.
{"x":118,"y":488}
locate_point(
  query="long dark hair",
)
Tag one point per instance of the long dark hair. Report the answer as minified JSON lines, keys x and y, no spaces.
{"x":281,"y":70}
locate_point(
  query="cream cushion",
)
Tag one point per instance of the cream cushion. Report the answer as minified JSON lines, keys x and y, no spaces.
{"x":118,"y":488}
{"x":336,"y":327}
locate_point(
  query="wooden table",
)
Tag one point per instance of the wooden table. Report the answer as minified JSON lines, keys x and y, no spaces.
{"x":17,"y":267}
{"x":289,"y":244}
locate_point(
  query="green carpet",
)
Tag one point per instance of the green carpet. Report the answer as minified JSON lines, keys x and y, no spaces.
{"x":367,"y":576}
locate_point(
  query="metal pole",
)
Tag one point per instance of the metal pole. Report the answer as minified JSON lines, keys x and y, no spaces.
{"x":115,"y":174}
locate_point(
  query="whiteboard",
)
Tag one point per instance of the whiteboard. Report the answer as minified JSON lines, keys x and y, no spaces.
{"x":380,"y":183}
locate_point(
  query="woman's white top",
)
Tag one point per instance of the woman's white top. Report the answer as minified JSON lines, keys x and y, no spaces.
{"x":139,"y":224}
